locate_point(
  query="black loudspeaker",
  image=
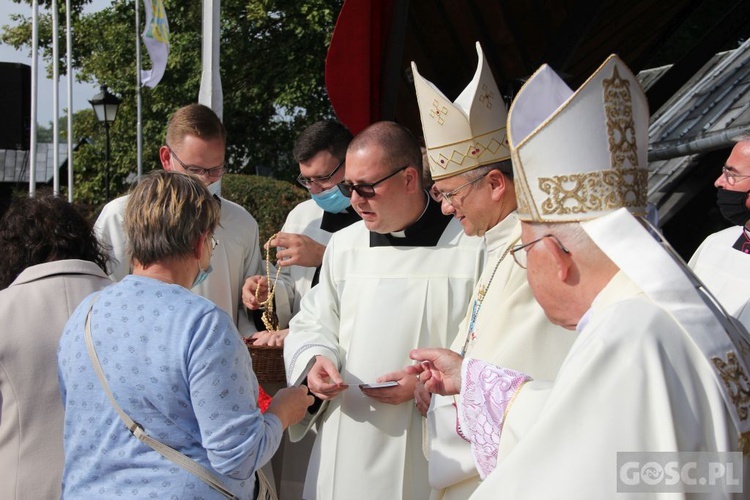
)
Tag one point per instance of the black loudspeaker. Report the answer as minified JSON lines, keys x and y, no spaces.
{"x":15,"y":105}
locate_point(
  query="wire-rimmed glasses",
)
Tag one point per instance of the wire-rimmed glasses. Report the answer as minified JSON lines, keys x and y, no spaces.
{"x":519,"y":251}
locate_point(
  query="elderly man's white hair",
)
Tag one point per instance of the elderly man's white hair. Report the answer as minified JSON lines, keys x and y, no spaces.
{"x":571,"y":234}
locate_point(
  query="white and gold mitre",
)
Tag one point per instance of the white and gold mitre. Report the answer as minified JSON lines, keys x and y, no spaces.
{"x":578,"y":156}
{"x":467,"y":133}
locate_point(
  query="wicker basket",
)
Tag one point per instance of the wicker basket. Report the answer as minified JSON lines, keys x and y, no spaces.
{"x":268,"y":362}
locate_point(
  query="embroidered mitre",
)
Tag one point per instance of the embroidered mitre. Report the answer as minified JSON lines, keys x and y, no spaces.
{"x":578,"y":156}
{"x":467,"y":133}
{"x":583,"y":157}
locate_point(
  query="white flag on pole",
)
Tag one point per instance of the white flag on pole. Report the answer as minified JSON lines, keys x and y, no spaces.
{"x":156,"y":38}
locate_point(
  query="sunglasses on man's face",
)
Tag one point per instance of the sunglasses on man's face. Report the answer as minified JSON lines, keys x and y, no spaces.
{"x":365,"y":190}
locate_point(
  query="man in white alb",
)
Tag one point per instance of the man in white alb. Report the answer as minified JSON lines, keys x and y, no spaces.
{"x":469,"y":161}
{"x":196,"y":144}
{"x":400,"y":278}
{"x":320,"y":151}
{"x":653,"y":368}
{"x":722,"y":261}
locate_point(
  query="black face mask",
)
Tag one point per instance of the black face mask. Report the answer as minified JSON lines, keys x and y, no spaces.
{"x":732,"y":206}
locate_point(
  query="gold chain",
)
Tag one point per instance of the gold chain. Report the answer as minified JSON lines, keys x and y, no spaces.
{"x":270,"y":320}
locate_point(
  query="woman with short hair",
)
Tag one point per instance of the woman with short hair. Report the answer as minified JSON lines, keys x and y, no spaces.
{"x":174,"y":362}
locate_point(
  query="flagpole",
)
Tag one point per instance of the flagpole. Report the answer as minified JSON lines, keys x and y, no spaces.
{"x":34,"y":94}
{"x":210,"y":91}
{"x":69,"y":66}
{"x":139,"y":123}
{"x":55,"y":102}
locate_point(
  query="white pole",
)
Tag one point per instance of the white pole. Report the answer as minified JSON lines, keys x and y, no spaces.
{"x":210,"y":92}
{"x":69,"y":66}
{"x":55,"y":101}
{"x":138,"y":104}
{"x":34,"y":94}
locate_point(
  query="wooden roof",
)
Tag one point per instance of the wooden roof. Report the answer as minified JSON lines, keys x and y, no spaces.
{"x":572,"y":36}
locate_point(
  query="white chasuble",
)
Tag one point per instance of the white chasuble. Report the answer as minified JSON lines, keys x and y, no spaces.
{"x":506,"y":328}
{"x":374,"y":304}
{"x":633,"y":381}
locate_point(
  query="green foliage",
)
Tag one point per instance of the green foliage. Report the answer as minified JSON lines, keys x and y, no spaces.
{"x":268,"y":200}
{"x":46,"y":134}
{"x":272,"y":73}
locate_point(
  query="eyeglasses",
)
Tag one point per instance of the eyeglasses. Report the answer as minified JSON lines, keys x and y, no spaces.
{"x":439,"y":196}
{"x":519,"y":251}
{"x":214,"y":242}
{"x":214,"y":172}
{"x":731,"y":176}
{"x":309,"y":181}
{"x":366,"y":190}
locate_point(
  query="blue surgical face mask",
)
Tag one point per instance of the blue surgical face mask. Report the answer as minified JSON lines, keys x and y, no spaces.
{"x":202,"y":275}
{"x":332,"y":200}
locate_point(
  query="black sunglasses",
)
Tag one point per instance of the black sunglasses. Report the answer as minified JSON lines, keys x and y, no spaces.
{"x":365,"y":190}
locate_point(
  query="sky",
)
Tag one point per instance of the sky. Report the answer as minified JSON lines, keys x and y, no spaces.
{"x":81,"y":92}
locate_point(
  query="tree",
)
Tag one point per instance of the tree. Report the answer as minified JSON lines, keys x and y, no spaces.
{"x":272,"y":73}
{"x":45,"y":133}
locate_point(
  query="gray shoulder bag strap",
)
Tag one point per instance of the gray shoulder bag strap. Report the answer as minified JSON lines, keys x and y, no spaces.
{"x":135,"y":428}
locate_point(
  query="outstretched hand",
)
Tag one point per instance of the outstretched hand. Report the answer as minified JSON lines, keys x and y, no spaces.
{"x":290,"y":405}
{"x":324,"y":379}
{"x":438,"y":369}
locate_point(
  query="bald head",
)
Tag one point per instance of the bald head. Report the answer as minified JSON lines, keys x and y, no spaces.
{"x":399,"y":146}
{"x":743,"y":146}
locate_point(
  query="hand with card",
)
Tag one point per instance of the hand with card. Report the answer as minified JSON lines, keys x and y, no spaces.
{"x":379,"y":385}
{"x":392,"y":388}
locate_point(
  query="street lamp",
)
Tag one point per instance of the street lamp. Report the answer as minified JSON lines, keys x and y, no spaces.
{"x":105,"y":106}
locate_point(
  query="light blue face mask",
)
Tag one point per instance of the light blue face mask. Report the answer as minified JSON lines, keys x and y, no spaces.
{"x":202,"y":275}
{"x":332,"y":200}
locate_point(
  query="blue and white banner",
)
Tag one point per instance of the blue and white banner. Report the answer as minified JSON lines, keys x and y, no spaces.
{"x":156,"y":38}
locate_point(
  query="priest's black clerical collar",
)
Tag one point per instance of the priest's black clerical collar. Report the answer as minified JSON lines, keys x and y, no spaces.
{"x":334,"y":222}
{"x":425,"y":232}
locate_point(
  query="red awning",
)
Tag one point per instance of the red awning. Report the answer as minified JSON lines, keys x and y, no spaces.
{"x":354,"y":60}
